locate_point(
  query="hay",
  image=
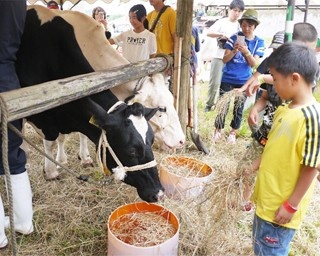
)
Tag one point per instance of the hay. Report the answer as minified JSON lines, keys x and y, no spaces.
{"x":143,"y":229}
{"x":189,"y":170}
{"x":225,"y":100}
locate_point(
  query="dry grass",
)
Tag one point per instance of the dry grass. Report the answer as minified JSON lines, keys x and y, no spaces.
{"x":70,"y":216}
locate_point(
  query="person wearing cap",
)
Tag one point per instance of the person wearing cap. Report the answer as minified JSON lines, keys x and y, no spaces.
{"x":221,"y":30}
{"x":52,"y":5}
{"x":100,"y":15}
{"x":268,"y":102}
{"x":242,"y":53}
{"x":139,"y":43}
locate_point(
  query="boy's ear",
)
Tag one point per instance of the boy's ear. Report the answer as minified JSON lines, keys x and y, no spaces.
{"x":296,"y":77}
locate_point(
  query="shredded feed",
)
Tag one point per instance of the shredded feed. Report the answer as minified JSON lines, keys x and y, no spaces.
{"x":187,"y":169}
{"x":142,"y":229}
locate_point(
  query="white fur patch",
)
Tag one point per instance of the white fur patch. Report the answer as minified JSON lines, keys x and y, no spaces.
{"x":141,"y":125}
{"x":119,"y":173}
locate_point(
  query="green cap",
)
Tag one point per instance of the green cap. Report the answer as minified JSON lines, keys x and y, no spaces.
{"x":250,"y":14}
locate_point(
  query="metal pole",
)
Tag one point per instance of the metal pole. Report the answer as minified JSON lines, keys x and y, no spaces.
{"x":306,"y":10}
{"x":289,"y":21}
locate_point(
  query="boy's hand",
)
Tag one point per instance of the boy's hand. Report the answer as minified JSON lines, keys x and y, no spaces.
{"x":282,"y":216}
{"x":253,"y":118}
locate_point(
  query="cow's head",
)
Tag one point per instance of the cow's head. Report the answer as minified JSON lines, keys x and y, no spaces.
{"x":131,"y":137}
{"x":152,"y":92}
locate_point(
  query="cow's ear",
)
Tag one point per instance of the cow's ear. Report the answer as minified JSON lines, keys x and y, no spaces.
{"x":104,"y":122}
{"x":98,"y":114}
{"x":149,"y":113}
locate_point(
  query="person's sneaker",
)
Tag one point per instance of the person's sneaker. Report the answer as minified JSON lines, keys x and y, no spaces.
{"x":217,"y":135}
{"x":247,"y":207}
{"x":232,"y":138}
{"x":207,"y":109}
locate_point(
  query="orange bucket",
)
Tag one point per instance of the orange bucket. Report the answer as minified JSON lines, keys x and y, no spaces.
{"x":181,"y":185}
{"x":117,"y":247}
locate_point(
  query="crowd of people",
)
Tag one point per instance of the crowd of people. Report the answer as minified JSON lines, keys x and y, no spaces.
{"x":282,"y":160}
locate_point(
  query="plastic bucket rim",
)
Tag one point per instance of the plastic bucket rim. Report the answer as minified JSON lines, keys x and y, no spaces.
{"x":140,"y":247}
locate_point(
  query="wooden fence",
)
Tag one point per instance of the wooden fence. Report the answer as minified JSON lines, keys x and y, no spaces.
{"x":38,"y":98}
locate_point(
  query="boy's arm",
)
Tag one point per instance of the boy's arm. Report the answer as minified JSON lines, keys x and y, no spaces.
{"x":251,"y":82}
{"x":253,"y":118}
{"x":255,"y":81}
{"x":282,"y":216}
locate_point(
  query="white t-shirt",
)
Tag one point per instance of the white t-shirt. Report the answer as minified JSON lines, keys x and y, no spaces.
{"x":137,"y":46}
{"x":226,"y":27}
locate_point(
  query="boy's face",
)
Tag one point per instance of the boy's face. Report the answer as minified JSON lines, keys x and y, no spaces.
{"x":282,"y":84}
{"x":134,"y":20}
{"x":247,"y":28}
{"x":234,"y":14}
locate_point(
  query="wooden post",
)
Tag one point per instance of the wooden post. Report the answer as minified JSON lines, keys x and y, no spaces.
{"x":177,"y":71}
{"x":38,"y":98}
{"x":184,"y":26}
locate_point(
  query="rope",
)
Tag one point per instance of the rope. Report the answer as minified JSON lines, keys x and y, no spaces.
{"x":5,"y":162}
{"x":120,"y":170}
{"x":80,"y":177}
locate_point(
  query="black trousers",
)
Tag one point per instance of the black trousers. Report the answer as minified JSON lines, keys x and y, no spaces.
{"x":12,"y":19}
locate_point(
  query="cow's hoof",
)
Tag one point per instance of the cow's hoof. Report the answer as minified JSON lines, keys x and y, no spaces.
{"x":52,"y":176}
{"x":88,"y":162}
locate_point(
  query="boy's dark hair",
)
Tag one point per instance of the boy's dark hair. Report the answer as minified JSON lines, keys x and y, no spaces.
{"x":237,"y":4}
{"x":294,"y":57}
{"x":304,"y":32}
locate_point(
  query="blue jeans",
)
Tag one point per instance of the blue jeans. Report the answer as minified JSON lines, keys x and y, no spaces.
{"x":237,"y":108}
{"x":270,"y":239}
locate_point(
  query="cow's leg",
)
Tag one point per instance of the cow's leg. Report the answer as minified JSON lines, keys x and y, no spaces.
{"x":24,"y":146}
{"x":84,"y":154}
{"x":61,"y":155}
{"x":50,"y":168}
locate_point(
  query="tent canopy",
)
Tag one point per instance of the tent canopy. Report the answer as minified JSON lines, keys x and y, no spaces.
{"x":255,"y":2}
{"x":76,"y":1}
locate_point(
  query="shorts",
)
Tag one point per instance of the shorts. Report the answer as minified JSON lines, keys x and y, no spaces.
{"x":270,"y":239}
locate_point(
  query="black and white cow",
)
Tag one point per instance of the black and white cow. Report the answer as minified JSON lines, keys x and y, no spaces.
{"x":49,"y":51}
{"x":58,"y":44}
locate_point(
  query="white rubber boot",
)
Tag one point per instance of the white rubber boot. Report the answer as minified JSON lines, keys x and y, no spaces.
{"x":22,"y":203}
{"x":3,"y":238}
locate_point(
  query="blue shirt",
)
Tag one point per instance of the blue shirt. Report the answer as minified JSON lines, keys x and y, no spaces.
{"x":237,"y":70}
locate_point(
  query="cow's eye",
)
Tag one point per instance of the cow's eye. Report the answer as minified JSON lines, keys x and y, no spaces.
{"x":162,"y":109}
{"x":133,"y":152}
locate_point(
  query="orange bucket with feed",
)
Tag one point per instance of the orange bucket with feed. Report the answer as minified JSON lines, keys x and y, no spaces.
{"x":142,"y":229}
{"x":184,"y":177}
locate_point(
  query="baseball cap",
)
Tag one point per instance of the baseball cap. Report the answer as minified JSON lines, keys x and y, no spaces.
{"x":278,"y":39}
{"x":139,"y":10}
{"x":52,"y":5}
{"x":250,"y":14}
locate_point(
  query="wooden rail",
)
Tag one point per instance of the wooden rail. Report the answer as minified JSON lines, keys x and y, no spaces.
{"x":38,"y":98}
